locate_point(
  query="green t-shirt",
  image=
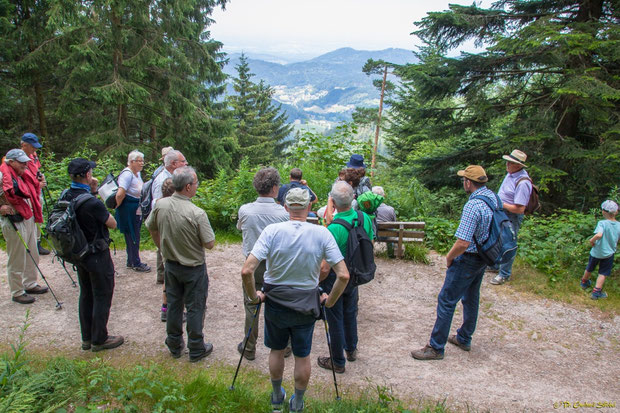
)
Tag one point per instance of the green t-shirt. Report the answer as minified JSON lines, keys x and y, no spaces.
{"x":341,"y":234}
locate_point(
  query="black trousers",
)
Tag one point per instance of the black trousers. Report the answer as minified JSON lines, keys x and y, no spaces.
{"x":96,"y":277}
{"x":186,"y":287}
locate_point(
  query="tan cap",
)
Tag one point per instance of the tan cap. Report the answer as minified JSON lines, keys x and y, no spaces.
{"x":164,"y":151}
{"x":517,"y":157}
{"x":297,"y":198}
{"x":474,"y":173}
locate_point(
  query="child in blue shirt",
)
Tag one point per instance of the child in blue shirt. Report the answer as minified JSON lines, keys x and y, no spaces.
{"x":604,"y":244}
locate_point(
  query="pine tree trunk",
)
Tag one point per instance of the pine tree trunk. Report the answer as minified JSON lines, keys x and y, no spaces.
{"x":38,"y":91}
{"x":374,"y":150}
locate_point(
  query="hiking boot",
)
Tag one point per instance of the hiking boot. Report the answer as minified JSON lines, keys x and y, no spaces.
{"x":454,"y":340}
{"x":276,"y":405}
{"x":141,"y":268}
{"x":42,"y":250}
{"x":498,"y":280}
{"x":110,"y":343}
{"x":351,"y":355}
{"x":427,"y":353}
{"x":37,"y":290}
{"x":585,"y":284}
{"x":177,"y":352}
{"x":249,"y":355}
{"x":23,"y":299}
{"x":86,"y":345}
{"x":208,"y":348}
{"x":291,"y":403}
{"x":326,"y":363}
{"x":164,"y":314}
{"x":598,"y":295}
{"x":288,"y":351}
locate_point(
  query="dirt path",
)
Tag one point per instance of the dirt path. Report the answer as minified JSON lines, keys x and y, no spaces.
{"x":527,"y":353}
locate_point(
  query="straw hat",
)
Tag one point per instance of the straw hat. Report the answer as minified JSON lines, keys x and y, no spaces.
{"x":517,"y":157}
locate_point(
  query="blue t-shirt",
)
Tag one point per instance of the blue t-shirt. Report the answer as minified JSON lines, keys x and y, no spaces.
{"x":293,"y":184}
{"x":606,"y":246}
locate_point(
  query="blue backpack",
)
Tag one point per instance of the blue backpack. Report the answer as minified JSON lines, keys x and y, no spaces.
{"x":502,"y":237}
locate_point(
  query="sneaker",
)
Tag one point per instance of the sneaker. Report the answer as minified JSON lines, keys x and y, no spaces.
{"x":208,"y":348}
{"x":454,"y":340}
{"x":37,"y":290}
{"x":141,"y":268}
{"x":290,"y":404}
{"x":249,"y":355}
{"x":598,"y":295}
{"x":326,"y":363}
{"x":585,"y":284}
{"x":427,"y":353}
{"x":498,"y":280}
{"x":110,"y":343}
{"x":276,"y":406}
{"x":288,"y":351}
{"x":351,"y":355}
{"x":164,"y":314}
{"x":42,"y":250}
{"x":23,"y":299}
{"x":86,"y":345}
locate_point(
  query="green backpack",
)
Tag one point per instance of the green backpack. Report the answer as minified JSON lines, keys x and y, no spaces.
{"x":368,"y":202}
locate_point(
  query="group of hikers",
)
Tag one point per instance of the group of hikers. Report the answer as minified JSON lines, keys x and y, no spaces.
{"x":299,"y":271}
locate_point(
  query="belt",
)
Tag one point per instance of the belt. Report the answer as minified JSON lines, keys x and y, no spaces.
{"x":181,"y":265}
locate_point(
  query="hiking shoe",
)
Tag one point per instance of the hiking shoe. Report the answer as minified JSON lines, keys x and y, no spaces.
{"x":37,"y":290}
{"x":326,"y":363}
{"x":164,"y":314}
{"x":177,"y":352}
{"x":276,"y":406}
{"x":110,"y":343}
{"x":42,"y":250}
{"x":351,"y":355}
{"x":249,"y":355}
{"x":454,"y":340}
{"x":498,"y":280}
{"x":141,"y":268}
{"x":23,"y":299}
{"x":598,"y":295}
{"x":288,"y":351}
{"x":208,"y":348}
{"x":86,"y":345}
{"x":291,"y":402}
{"x":427,"y":353}
{"x":585,"y":284}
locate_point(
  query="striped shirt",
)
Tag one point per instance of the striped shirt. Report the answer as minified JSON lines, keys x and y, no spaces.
{"x":476,"y":219}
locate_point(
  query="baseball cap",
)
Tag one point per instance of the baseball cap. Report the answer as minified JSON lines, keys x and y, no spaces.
{"x":297,"y":198}
{"x":32,"y":139}
{"x":609,"y":206}
{"x":474,"y":173}
{"x":79,"y":166}
{"x":17,"y":155}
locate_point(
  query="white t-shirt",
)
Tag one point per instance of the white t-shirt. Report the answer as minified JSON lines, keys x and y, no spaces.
{"x":132,"y":184}
{"x":157,"y":184}
{"x":294,"y":251}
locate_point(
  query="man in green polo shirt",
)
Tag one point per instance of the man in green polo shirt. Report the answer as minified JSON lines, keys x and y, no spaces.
{"x":182,"y":231}
{"x":342,"y":317}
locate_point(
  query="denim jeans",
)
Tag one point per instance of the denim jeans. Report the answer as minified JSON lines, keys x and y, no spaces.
{"x":133,"y":245}
{"x":463,"y":279}
{"x":505,"y":270}
{"x":342,"y":320}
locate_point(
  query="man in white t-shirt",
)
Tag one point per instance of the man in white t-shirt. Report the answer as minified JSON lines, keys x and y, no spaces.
{"x":294,"y":251}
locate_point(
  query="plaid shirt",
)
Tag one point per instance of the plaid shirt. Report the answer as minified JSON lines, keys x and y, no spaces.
{"x":476,"y":219}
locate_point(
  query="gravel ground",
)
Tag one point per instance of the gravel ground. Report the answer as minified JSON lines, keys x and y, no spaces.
{"x":528,"y":354}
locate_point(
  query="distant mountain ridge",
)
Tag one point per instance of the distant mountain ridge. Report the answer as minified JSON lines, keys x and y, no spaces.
{"x":328,"y":87}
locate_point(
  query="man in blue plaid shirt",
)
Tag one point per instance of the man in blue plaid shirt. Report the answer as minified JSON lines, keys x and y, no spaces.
{"x":465,"y":270}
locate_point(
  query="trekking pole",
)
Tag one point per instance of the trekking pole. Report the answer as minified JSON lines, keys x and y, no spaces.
{"x":58,"y":303}
{"x":245,"y":343}
{"x":331,"y":357}
{"x":62,"y":262}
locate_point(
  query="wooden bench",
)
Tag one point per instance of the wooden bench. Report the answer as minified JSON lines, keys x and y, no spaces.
{"x":398,"y":232}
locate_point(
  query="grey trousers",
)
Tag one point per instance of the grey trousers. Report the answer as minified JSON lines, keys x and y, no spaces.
{"x":251,"y":308}
{"x":20,"y":268}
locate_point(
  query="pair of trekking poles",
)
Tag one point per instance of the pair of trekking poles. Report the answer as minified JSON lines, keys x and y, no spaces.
{"x":329,"y":345}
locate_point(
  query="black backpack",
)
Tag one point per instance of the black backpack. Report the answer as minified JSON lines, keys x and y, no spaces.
{"x":360,"y":257}
{"x":502,"y":237}
{"x":64,"y":232}
{"x":146,"y":197}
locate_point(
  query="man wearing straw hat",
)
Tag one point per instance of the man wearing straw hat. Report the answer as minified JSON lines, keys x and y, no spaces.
{"x":515,"y":193}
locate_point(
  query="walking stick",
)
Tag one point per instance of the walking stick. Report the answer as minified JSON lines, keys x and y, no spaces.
{"x":58,"y":303}
{"x":331,"y":357}
{"x":245,"y":343}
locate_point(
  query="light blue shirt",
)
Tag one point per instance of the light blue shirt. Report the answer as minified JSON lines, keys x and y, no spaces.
{"x":606,"y":246}
{"x":255,"y":216}
{"x":514,"y":194}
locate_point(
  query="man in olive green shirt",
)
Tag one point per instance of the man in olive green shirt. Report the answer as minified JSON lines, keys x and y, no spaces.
{"x":181,"y":231}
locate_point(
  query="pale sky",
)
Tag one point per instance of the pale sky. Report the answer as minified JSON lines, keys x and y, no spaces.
{"x":309,"y":28}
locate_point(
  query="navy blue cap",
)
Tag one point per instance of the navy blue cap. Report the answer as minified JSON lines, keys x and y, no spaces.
{"x":32,"y":139}
{"x":79,"y":166}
